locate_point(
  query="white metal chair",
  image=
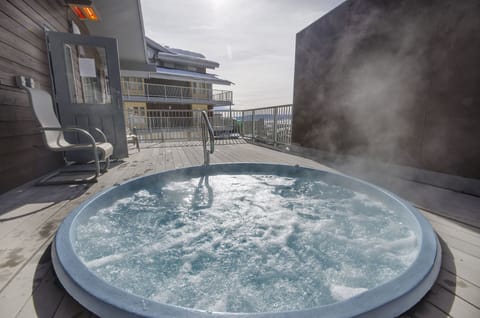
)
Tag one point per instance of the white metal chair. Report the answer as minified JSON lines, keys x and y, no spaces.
{"x":132,"y":138}
{"x":53,"y":132}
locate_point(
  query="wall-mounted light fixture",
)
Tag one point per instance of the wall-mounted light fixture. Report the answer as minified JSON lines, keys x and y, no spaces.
{"x":83,"y":9}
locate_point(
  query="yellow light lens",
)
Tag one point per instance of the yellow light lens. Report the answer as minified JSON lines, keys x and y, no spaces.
{"x":90,"y":13}
{"x":85,"y":12}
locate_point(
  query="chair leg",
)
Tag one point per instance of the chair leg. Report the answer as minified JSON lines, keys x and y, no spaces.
{"x":106,"y":165}
{"x":97,"y":164}
{"x":136,"y":143}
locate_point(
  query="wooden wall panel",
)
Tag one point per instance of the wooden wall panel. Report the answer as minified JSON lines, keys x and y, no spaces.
{"x":23,"y":156}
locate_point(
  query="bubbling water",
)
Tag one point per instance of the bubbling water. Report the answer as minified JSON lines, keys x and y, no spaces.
{"x":246,"y":243}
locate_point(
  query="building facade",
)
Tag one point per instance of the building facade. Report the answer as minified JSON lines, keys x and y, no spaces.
{"x":180,"y":82}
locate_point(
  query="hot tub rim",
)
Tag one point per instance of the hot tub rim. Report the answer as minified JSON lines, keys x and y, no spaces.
{"x":104,"y":299}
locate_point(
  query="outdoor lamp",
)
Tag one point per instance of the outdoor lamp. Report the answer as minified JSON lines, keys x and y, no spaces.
{"x":83,"y":9}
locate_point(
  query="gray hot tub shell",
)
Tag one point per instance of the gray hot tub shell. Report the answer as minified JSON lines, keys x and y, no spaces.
{"x":387,"y":300}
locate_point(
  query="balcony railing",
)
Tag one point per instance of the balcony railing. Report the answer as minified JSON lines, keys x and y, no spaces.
{"x":271,"y":125}
{"x":134,"y":91}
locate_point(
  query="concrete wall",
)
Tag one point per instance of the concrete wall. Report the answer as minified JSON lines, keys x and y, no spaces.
{"x":393,"y":80}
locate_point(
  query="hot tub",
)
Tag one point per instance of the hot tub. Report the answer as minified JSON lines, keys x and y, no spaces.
{"x":246,"y":240}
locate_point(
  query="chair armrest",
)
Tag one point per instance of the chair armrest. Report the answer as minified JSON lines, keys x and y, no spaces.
{"x":73,"y":129}
{"x":102,"y":133}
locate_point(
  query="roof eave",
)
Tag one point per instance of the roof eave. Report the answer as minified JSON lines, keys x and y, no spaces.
{"x":217,"y":81}
{"x":187,"y":60}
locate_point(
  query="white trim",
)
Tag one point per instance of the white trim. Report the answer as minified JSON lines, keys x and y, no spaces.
{"x":130,"y":73}
{"x":181,"y":75}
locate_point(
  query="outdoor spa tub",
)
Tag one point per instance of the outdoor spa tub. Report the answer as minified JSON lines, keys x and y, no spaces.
{"x":246,"y":240}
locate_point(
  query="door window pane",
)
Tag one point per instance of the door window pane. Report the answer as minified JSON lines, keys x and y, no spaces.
{"x":87,"y":74}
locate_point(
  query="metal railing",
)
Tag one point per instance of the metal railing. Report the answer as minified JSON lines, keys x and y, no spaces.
{"x":133,"y":91}
{"x":271,"y":125}
{"x":207,"y":133}
{"x":181,"y":125}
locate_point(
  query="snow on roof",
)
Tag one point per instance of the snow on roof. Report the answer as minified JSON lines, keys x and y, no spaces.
{"x":175,"y":74}
{"x":167,"y":53}
{"x":186,"y":52}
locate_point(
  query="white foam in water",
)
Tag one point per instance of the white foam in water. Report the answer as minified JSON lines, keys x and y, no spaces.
{"x":344,"y":292}
{"x":243,"y":243}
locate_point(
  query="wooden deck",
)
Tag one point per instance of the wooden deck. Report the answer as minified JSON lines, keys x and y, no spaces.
{"x":30,"y":215}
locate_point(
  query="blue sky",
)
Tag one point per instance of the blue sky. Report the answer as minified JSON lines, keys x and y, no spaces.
{"x":253,"y":40}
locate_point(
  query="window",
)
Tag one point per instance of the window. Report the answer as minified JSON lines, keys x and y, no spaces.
{"x":87,"y":73}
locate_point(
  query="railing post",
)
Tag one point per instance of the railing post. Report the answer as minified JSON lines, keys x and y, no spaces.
{"x":147,"y":91}
{"x":165,"y":92}
{"x":150,"y":124}
{"x":275,"y":112}
{"x":231,"y":120}
{"x":243,"y":123}
{"x":161,"y":119}
{"x":253,"y":125}
{"x":129,"y":118}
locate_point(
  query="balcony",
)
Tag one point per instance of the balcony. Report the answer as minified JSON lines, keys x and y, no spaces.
{"x":158,"y":93}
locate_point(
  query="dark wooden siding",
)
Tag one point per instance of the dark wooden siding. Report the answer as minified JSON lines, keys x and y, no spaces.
{"x":23,"y":156}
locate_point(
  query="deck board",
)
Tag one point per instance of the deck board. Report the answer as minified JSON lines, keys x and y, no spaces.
{"x":425,"y":310}
{"x":70,"y":308}
{"x":442,"y":298}
{"x":14,"y":297}
{"x":45,"y":300}
{"x":461,"y":288}
{"x":30,"y":215}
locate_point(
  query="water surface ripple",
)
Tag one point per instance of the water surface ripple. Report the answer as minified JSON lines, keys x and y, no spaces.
{"x":246,"y":243}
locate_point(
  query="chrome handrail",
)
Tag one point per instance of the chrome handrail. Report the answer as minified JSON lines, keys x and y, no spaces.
{"x":206,"y":126}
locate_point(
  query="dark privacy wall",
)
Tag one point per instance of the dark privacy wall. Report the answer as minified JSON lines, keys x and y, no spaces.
{"x":393,"y":80}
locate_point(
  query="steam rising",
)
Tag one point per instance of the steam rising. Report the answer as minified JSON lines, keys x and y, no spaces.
{"x":371,"y":78}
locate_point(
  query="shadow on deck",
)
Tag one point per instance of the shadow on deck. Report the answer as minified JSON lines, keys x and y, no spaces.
{"x":30,"y":216}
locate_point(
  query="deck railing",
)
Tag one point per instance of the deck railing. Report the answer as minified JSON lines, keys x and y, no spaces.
{"x":271,"y":125}
{"x":133,"y":91}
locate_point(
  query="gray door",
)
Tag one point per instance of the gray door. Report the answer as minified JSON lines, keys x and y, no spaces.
{"x":87,"y":89}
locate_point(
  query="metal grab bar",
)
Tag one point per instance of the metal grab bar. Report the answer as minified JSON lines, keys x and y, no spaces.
{"x":206,"y":126}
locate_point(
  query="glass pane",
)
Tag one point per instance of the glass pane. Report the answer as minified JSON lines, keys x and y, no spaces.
{"x":87,"y":74}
